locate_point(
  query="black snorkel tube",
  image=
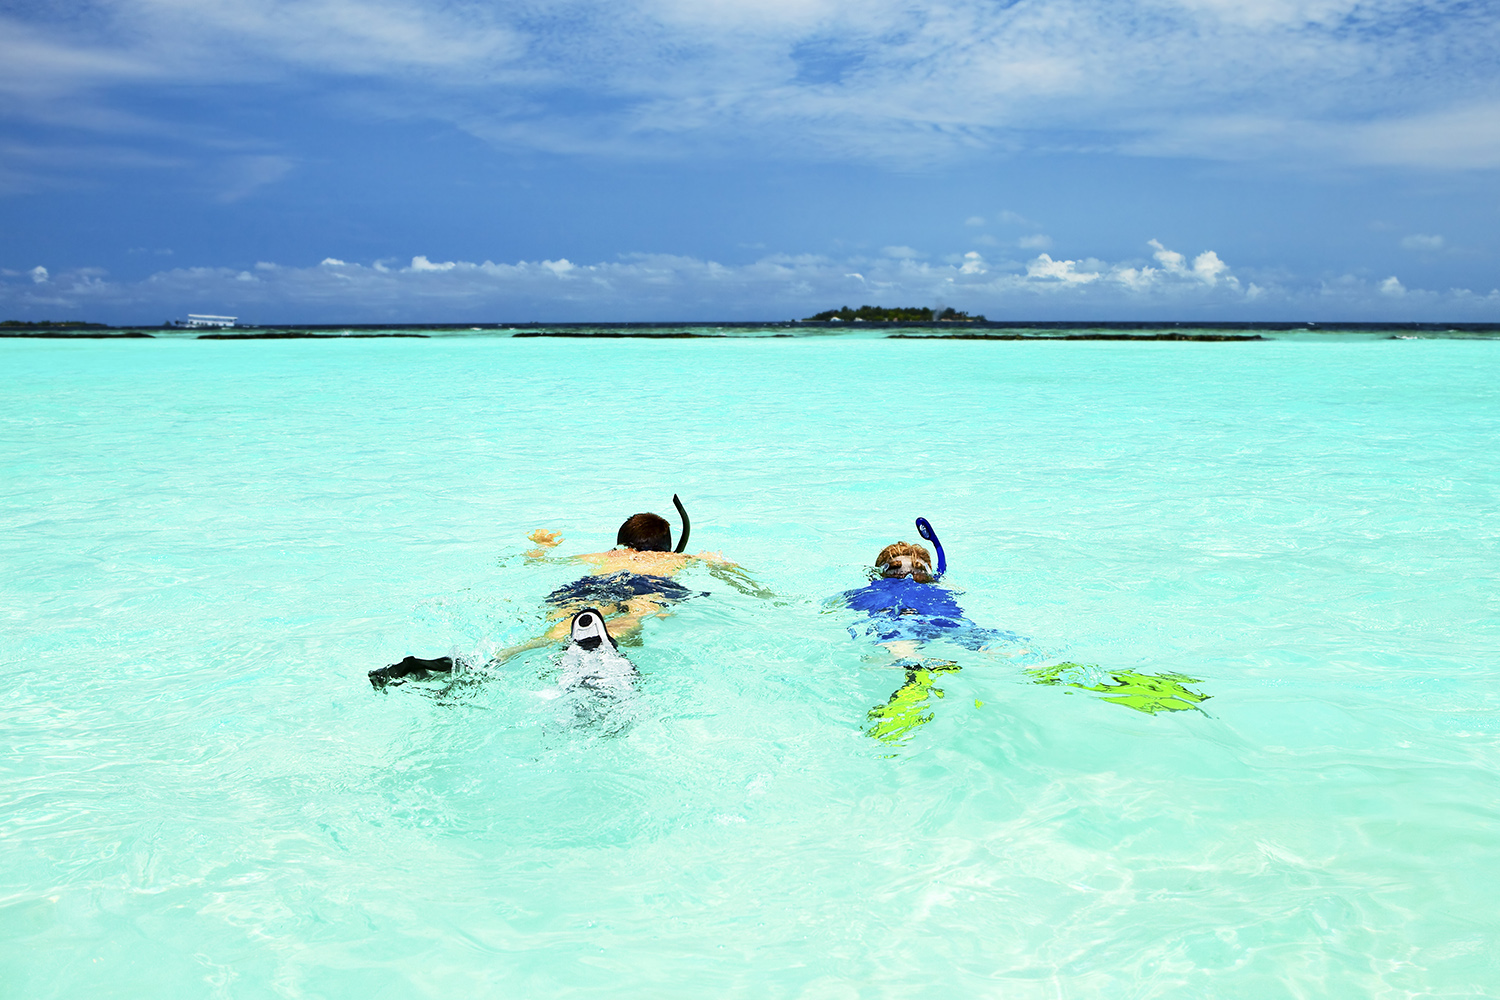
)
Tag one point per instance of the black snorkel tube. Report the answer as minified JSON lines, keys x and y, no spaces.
{"x":924,"y":528}
{"x":687,"y":526}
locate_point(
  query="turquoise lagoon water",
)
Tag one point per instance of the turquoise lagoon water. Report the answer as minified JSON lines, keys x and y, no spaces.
{"x":206,"y":545}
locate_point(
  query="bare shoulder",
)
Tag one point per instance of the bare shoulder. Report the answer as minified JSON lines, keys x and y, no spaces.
{"x":631,"y":561}
{"x":598,"y":560}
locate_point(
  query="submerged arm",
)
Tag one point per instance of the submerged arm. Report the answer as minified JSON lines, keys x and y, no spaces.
{"x":736,"y":576}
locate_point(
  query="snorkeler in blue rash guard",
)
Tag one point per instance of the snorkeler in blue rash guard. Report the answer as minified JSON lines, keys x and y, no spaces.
{"x":906,"y":607}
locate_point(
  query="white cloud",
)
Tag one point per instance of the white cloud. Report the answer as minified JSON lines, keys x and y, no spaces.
{"x":1169,"y":259}
{"x":1384,"y":82}
{"x":1175,"y":275}
{"x":327,"y":262}
{"x":1065,"y":271}
{"x":38,"y":274}
{"x":1392,"y":286}
{"x":347,"y":36}
{"x":1037,"y":241}
{"x":902,"y":253}
{"x":30,"y":166}
{"x":1419,"y":242}
{"x":242,"y":176}
{"x":1467,"y":136}
{"x":420,"y":264}
{"x":974,"y":220}
{"x":37,"y":64}
{"x":1206,"y":267}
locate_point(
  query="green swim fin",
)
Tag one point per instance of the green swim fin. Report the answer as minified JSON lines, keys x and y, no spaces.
{"x":1149,"y":693}
{"x":904,"y":711}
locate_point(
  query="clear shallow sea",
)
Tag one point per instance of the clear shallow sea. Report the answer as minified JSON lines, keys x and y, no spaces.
{"x":204,"y":546}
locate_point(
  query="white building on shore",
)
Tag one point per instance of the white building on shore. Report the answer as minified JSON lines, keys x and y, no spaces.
{"x":199,"y":321}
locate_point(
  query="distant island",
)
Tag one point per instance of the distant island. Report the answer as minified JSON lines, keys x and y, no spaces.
{"x":879,"y":314}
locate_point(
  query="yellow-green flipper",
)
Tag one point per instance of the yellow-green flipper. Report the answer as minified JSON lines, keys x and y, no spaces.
{"x":904,"y":711}
{"x":1149,"y":693}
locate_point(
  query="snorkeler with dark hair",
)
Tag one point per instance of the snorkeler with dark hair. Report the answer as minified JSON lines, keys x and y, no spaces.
{"x":632,"y":581}
{"x":628,"y":584}
{"x":651,"y":532}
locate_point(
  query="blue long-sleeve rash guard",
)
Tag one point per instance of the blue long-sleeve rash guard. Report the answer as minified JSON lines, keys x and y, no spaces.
{"x":902,"y":608}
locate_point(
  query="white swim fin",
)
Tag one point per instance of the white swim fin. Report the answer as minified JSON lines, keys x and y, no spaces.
{"x":589,"y":631}
{"x":592,"y":660}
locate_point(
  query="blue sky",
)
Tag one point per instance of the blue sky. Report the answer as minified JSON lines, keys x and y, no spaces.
{"x":387,"y":161}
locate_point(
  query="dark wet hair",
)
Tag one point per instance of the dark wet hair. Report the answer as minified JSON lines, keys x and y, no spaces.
{"x":645,"y":533}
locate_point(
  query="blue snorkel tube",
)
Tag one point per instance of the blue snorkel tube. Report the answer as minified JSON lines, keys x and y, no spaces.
{"x":924,"y":528}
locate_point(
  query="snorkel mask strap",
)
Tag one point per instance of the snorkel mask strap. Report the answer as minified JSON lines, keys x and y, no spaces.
{"x":924,"y":528}
{"x":687,"y":526}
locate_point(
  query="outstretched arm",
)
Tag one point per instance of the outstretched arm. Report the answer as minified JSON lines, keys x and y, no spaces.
{"x":734,"y":574}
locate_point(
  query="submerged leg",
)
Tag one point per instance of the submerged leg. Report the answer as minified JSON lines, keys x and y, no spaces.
{"x":624,"y":622}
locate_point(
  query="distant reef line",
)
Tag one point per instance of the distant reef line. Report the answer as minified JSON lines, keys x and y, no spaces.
{"x":1200,"y":337}
{"x":75,"y":334}
{"x":50,"y":324}
{"x":620,"y":335}
{"x":142,"y":335}
{"x":303,"y":335}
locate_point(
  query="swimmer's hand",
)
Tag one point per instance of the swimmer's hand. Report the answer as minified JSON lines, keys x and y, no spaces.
{"x":545,"y":540}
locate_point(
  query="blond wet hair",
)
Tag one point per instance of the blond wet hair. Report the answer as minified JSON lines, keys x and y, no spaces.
{"x":905,"y":559}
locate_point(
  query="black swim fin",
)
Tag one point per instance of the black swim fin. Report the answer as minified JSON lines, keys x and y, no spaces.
{"x":410,"y":667}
